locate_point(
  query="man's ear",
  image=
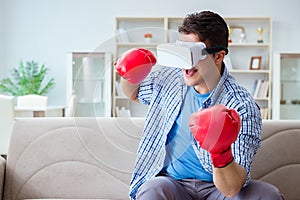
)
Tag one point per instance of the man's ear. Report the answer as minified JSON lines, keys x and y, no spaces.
{"x":219,"y":57}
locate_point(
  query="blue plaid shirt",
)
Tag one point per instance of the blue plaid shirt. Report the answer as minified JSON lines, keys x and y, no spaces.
{"x":164,"y":90}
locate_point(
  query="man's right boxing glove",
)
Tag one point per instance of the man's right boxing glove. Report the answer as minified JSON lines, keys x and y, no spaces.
{"x":135,"y":64}
{"x":216,"y":128}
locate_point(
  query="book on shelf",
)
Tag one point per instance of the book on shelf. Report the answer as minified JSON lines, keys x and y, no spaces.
{"x":260,"y":89}
{"x":265,"y":89}
{"x":122,"y":112}
{"x":255,"y":88}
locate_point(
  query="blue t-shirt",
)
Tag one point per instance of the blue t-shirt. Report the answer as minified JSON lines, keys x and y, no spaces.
{"x":181,"y":160}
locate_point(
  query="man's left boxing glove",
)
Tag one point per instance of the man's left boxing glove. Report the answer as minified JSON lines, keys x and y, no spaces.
{"x":135,"y":64}
{"x":216,"y":128}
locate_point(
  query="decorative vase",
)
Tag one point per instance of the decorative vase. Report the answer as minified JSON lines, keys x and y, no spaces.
{"x":148,"y":37}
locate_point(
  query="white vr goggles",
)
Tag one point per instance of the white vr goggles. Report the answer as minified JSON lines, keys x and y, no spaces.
{"x":184,"y":55}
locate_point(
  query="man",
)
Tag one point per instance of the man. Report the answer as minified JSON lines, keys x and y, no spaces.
{"x":202,"y":128}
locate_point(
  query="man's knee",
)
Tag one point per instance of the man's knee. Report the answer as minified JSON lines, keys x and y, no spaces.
{"x":260,"y":190}
{"x":156,"y":187}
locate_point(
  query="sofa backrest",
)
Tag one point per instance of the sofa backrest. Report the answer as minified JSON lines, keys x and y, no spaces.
{"x":278,"y":161}
{"x":92,"y":158}
{"x":7,"y":115}
{"x":73,"y":158}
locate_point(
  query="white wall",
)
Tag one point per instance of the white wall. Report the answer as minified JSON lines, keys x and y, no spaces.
{"x":45,"y":30}
{"x":3,"y":72}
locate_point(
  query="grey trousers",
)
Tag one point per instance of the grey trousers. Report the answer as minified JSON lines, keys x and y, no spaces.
{"x":164,"y":187}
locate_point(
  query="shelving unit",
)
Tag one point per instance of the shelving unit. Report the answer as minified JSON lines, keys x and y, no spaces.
{"x":286,"y":87}
{"x":245,"y":45}
{"x":89,"y":79}
{"x":130,"y":34}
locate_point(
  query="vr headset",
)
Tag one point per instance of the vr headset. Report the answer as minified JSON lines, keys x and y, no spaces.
{"x":184,"y":55}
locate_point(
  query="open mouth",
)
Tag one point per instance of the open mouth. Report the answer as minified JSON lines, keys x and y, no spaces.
{"x":190,"y":72}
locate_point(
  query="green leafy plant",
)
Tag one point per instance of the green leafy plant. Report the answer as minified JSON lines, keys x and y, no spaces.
{"x":27,"y":79}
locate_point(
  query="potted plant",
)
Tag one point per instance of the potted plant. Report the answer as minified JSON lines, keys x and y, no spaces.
{"x":27,"y":79}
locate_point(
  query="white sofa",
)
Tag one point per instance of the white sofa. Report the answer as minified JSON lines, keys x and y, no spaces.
{"x":92,"y":158}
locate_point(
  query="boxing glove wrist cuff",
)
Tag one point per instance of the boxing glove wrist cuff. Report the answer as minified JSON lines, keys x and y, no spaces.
{"x":223,"y":159}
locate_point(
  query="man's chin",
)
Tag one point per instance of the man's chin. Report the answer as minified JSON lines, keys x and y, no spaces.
{"x":189,"y":82}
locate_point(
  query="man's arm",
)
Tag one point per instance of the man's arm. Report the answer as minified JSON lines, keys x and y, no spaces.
{"x":230,"y":179}
{"x":130,"y":90}
{"x":216,"y":128}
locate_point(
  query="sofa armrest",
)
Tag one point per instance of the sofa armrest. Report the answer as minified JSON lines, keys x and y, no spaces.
{"x":2,"y":175}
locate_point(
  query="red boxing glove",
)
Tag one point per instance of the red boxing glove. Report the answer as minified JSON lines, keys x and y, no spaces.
{"x":216,"y":128}
{"x":135,"y":64}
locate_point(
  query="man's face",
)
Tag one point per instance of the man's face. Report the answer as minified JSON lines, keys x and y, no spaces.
{"x":205,"y":70}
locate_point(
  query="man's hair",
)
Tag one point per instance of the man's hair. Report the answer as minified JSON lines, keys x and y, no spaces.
{"x":210,"y":27}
